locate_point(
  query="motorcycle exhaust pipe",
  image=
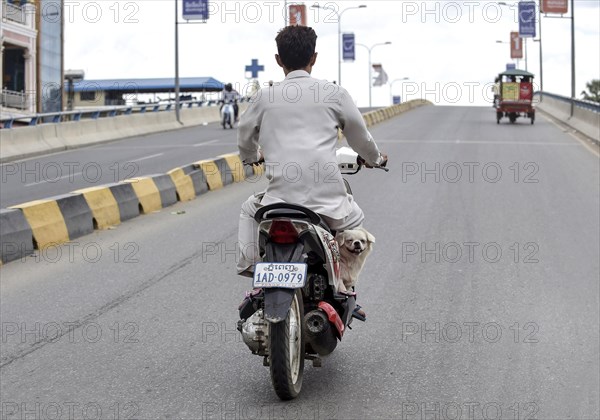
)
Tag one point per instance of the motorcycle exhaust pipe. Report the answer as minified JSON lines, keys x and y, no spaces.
{"x":320,"y":334}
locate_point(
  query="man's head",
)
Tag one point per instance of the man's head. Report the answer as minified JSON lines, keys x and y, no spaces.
{"x":296,"y":48}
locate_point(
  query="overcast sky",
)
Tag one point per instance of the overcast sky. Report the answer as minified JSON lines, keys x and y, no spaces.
{"x":447,"y":49}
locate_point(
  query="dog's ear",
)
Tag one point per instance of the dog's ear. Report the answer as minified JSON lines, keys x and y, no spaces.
{"x":370,"y":238}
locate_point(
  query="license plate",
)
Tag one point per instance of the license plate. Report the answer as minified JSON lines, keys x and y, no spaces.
{"x":286,"y":275}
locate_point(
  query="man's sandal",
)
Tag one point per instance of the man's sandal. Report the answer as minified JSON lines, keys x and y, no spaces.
{"x":359,"y":314}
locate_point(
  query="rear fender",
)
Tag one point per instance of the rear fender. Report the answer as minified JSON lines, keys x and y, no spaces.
{"x":277,"y":304}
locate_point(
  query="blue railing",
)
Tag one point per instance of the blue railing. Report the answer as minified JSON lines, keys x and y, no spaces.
{"x":590,"y":105}
{"x":107,"y":112}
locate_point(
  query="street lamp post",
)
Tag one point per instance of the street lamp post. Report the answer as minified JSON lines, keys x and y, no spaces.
{"x":370,"y":69}
{"x":392,"y":84}
{"x":504,"y":42}
{"x":339,"y":19}
{"x":177,"y":115}
{"x":502,"y":3}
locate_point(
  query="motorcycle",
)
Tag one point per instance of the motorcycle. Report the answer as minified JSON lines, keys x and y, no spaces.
{"x":227,"y":115}
{"x":295,"y":311}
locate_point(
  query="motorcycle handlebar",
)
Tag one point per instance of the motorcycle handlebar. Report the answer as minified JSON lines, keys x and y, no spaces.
{"x":361,"y":161}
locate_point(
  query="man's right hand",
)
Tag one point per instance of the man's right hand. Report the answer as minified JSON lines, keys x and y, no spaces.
{"x":383,"y":159}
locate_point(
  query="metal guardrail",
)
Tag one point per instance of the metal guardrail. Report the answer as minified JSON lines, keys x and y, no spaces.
{"x":591,"y":105}
{"x":94,"y":114}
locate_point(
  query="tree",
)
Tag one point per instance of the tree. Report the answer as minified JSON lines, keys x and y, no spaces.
{"x":594,"y":89}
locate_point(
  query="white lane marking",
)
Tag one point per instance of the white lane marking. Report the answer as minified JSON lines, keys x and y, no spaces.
{"x":73,"y":175}
{"x":205,"y":143}
{"x":53,"y":180}
{"x":147,"y":157}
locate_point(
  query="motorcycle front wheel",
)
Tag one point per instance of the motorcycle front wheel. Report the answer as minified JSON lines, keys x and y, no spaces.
{"x":286,"y":342}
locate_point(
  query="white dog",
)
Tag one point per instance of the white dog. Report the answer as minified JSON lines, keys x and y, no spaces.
{"x":355,"y":245}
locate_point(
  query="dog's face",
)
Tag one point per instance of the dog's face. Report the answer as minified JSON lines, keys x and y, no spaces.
{"x":355,"y":241}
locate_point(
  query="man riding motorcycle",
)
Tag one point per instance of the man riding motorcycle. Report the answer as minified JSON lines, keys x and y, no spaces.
{"x":295,"y":124}
{"x":230,"y":96}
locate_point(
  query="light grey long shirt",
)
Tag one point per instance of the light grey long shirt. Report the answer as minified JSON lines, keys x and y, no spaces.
{"x":295,"y":123}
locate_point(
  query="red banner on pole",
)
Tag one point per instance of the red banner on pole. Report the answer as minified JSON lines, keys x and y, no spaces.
{"x":298,"y":15}
{"x":516,"y":45}
{"x":555,"y":6}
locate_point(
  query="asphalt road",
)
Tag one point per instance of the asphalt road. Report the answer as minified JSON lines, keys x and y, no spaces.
{"x":63,"y":172}
{"x":482,"y":295}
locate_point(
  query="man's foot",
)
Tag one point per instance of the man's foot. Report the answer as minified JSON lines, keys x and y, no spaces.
{"x":359,"y":314}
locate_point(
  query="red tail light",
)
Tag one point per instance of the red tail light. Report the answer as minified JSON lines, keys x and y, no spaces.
{"x":283,"y":232}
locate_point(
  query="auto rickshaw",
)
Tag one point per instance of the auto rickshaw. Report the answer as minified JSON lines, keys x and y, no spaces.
{"x":515,"y":96}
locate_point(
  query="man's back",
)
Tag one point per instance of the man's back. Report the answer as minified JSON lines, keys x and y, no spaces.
{"x":297,"y":122}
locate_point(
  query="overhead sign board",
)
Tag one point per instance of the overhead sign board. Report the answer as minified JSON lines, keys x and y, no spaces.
{"x":527,"y":19}
{"x":555,"y":6}
{"x":195,"y":9}
{"x":516,"y":45}
{"x":348,"y":52}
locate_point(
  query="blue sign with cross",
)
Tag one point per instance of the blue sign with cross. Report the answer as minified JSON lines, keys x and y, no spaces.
{"x":254,"y":68}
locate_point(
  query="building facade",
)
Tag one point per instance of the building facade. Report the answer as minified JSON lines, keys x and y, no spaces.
{"x":32,"y":34}
{"x":19,"y":51}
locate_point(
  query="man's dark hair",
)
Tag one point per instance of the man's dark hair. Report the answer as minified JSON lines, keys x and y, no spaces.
{"x":296,"y":45}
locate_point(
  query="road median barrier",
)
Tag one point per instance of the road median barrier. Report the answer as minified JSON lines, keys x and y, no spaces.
{"x":58,"y":219}
{"x":183,"y":184}
{"x":225,"y":170}
{"x":104,"y":206}
{"x":147,"y":194}
{"x":16,"y":236}
{"x":211,"y":173}
{"x":198,"y":178}
{"x":127,"y":200}
{"x":166,"y":188}
{"x":76,"y":213}
{"x":236,"y":168}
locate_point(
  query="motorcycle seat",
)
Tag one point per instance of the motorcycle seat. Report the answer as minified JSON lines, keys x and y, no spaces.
{"x":291,"y":211}
{"x":293,"y":214}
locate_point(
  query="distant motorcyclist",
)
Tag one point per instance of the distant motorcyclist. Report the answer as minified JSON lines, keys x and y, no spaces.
{"x":230,"y":96}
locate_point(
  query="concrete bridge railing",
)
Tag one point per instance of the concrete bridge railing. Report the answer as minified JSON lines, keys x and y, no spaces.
{"x":586,"y":114}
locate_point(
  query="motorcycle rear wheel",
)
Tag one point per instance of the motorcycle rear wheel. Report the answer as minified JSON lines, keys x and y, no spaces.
{"x":286,"y":350}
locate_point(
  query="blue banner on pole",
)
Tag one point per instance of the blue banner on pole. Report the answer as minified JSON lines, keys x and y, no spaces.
{"x":348,"y":47}
{"x":195,"y":9}
{"x":527,"y":19}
